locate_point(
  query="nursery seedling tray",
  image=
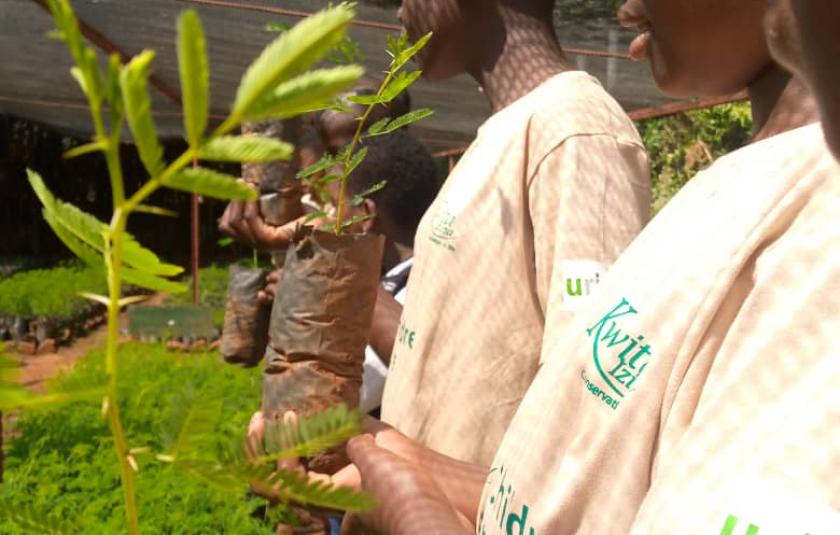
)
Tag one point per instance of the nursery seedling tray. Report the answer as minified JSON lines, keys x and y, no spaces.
{"x":171,"y":321}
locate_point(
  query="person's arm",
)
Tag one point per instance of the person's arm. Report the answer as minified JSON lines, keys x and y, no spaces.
{"x":588,"y":199}
{"x":243,"y":222}
{"x":386,"y":323}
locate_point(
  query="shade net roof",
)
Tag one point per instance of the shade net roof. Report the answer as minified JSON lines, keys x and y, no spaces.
{"x":35,"y":82}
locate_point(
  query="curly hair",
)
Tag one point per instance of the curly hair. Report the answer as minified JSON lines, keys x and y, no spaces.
{"x":409,"y":173}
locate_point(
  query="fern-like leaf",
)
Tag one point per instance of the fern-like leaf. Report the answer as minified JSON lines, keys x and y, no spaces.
{"x":91,"y":232}
{"x":292,"y":53}
{"x":308,"y":92}
{"x":309,"y":436}
{"x":138,"y":110}
{"x":245,"y":149}
{"x":296,"y":487}
{"x":210,"y":183}
{"x":29,"y":518}
{"x":195,"y":76}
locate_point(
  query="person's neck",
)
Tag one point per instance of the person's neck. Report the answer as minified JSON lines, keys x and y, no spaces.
{"x":780,"y":102}
{"x":518,"y":59}
{"x":395,"y":253}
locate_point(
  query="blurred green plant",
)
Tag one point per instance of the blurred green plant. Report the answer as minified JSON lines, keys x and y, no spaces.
{"x":276,"y":85}
{"x":61,"y":459}
{"x":50,"y":292}
{"x":339,"y":167}
{"x":681,"y":145}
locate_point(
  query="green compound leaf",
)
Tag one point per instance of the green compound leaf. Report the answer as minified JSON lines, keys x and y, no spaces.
{"x":400,"y":83}
{"x":298,"y":488}
{"x":245,"y":149}
{"x":210,"y":183}
{"x":292,"y":53}
{"x":403,"y":120}
{"x":359,"y":198}
{"x":85,"y":235}
{"x":195,"y":76}
{"x":308,"y":92}
{"x":406,"y":54}
{"x":326,"y":161}
{"x":138,"y":109}
{"x":356,"y":160}
{"x":86,"y":72}
{"x":378,"y":126}
{"x":151,"y":282}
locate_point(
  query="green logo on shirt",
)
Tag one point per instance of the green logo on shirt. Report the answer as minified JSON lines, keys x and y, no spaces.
{"x":731,"y":522}
{"x":619,"y":357}
{"x":500,"y":510}
{"x":443,"y":231}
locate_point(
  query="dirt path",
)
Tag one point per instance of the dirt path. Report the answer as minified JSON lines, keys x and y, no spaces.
{"x":36,"y":369}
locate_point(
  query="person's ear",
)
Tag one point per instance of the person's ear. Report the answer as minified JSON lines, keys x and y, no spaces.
{"x":369,"y":206}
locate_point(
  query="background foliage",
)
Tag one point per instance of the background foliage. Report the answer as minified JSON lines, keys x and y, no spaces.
{"x":63,"y":459}
{"x":50,"y":292}
{"x":681,"y":145}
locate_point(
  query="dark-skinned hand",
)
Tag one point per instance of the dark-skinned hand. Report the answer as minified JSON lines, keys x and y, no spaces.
{"x":409,"y":501}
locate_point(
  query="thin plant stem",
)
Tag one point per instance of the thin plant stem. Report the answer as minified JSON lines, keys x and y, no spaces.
{"x":113,"y":264}
{"x":357,"y":137}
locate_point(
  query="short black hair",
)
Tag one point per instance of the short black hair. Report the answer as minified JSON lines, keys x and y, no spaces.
{"x":409,"y":173}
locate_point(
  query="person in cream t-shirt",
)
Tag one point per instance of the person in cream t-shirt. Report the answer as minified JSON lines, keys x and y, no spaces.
{"x":554,"y":187}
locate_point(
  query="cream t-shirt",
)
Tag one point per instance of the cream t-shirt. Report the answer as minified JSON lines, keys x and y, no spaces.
{"x":554,"y":187}
{"x":704,"y":369}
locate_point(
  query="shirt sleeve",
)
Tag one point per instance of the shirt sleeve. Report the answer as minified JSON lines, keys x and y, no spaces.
{"x":588,"y":199}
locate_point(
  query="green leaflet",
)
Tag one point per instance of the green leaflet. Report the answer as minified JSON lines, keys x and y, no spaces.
{"x":401,"y":121}
{"x":377,"y":127}
{"x":304,"y":93}
{"x":195,"y":76}
{"x":326,"y":161}
{"x":90,"y":232}
{"x":298,"y":488}
{"x":356,"y":160}
{"x":211,"y":183}
{"x":151,"y":282}
{"x":402,"y":57}
{"x":138,"y":109}
{"x":291,"y":53}
{"x":359,"y":198}
{"x":87,"y":71}
{"x":92,"y":258}
{"x":245,"y":149}
{"x":87,"y":148}
{"x":400,"y":83}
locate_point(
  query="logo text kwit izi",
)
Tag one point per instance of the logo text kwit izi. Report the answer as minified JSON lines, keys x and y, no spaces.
{"x":620,"y":357}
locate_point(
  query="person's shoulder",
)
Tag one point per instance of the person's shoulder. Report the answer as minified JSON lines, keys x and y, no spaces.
{"x":792,"y":154}
{"x":574,"y":104}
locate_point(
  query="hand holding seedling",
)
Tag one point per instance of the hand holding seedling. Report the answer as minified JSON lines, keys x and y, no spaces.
{"x":243,"y":222}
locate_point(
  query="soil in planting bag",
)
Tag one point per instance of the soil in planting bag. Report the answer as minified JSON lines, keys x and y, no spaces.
{"x":280,"y":190}
{"x":245,"y":332}
{"x":320,"y":324}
